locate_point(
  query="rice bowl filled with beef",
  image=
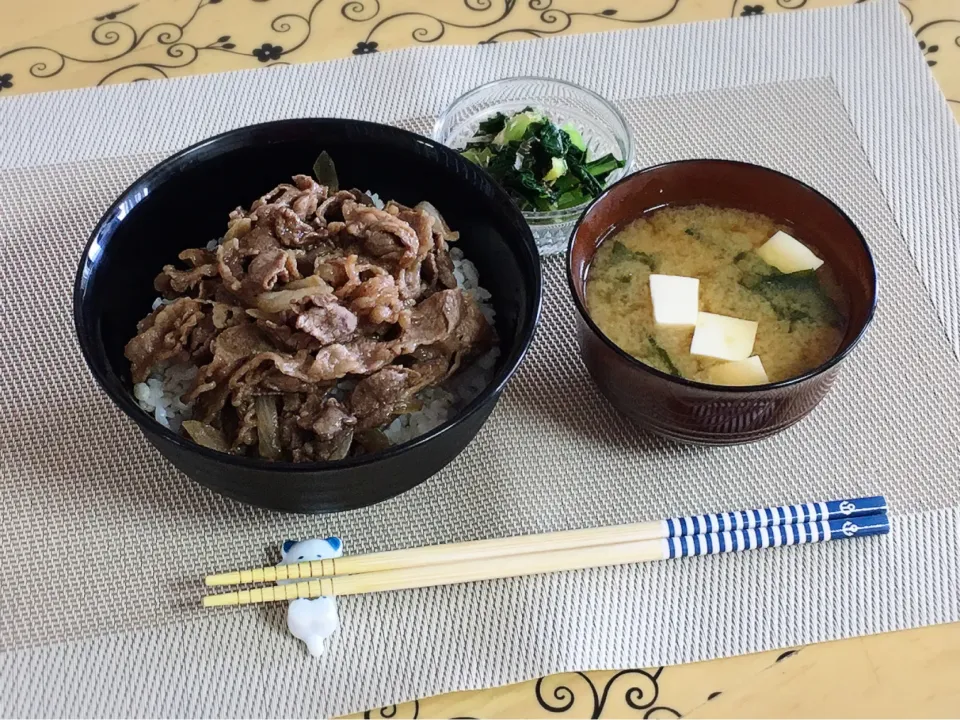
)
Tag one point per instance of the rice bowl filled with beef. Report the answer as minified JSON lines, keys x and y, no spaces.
{"x":324,"y":324}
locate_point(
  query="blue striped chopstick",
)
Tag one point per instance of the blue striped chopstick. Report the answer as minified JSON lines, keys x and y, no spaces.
{"x":568,"y":539}
{"x":553,"y":552}
{"x":577,"y":558}
{"x":775,"y":536}
{"x":774,"y":516}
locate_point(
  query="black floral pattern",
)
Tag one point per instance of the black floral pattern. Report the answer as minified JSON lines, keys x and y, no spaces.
{"x":112,"y":15}
{"x":577,"y":692}
{"x":927,"y":51}
{"x":365,"y":48}
{"x":267,"y":52}
{"x":118,"y":34}
{"x":6,"y":81}
{"x":390,"y":711}
{"x":123,"y":38}
{"x":941,"y":25}
{"x":222,"y":43}
{"x":430,"y":28}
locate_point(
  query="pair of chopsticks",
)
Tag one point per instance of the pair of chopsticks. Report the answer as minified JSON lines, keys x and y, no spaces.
{"x":558,"y":551}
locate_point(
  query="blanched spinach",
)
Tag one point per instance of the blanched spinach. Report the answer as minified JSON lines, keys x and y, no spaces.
{"x":542,"y":166}
{"x":492,"y":125}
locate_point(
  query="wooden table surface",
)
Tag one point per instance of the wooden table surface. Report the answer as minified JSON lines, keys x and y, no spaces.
{"x":58,"y":44}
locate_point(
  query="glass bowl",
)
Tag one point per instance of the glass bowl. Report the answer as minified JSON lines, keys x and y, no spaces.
{"x":603,"y":128}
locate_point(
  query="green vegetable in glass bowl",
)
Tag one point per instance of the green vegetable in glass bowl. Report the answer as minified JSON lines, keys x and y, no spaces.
{"x":541,"y":165}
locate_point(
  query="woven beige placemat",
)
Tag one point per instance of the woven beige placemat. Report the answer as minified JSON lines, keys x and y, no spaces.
{"x":77,"y":481}
{"x":553,"y":455}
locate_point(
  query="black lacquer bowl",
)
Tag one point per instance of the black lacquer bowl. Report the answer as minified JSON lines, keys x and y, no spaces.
{"x":184,"y":201}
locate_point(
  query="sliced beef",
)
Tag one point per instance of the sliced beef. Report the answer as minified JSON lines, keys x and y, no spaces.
{"x":245,"y":434}
{"x":311,"y":195}
{"x":327,"y":322}
{"x":472,"y":334}
{"x":286,"y":337}
{"x":202,"y":264}
{"x":360,"y":357}
{"x":271,"y":373}
{"x":432,"y":320}
{"x":410,"y":284}
{"x":295,"y":366}
{"x":429,"y":272}
{"x":385,"y":394}
{"x":377,"y":300}
{"x":172,"y":282}
{"x":163,"y":337}
{"x":224,"y":315}
{"x":292,"y":438}
{"x":433,"y":363}
{"x":275,"y":382}
{"x":230,"y":349}
{"x":305,"y":289}
{"x":352,"y":271}
{"x":385,"y":236}
{"x":445,"y":269}
{"x":290,"y":229}
{"x":282,"y":195}
{"x":331,"y":209}
{"x":269,"y":267}
{"x":195,"y":257}
{"x":422,"y":225}
{"x":295,"y":300}
{"x":437,"y":269}
{"x":331,"y":425}
{"x":452,"y":321}
{"x":238,"y":226}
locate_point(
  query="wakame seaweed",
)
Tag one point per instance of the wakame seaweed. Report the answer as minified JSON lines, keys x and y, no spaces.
{"x":662,"y":356}
{"x":795,"y":297}
{"x":621,"y":253}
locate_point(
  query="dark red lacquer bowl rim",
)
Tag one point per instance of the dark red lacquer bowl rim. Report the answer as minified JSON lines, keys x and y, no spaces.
{"x":729,"y":389}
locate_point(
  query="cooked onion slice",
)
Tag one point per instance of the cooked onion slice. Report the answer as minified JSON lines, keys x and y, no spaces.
{"x":280,"y":300}
{"x":206,"y":435}
{"x":448,"y":234}
{"x":267,"y":427}
{"x":309,"y":281}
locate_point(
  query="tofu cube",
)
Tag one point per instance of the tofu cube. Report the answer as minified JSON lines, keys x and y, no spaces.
{"x":676,"y":299}
{"x":787,"y":254}
{"x":741,"y":372}
{"x":723,"y":337}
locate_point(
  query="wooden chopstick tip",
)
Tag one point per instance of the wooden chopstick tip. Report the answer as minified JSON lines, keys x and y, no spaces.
{"x":227,"y":578}
{"x":221,"y":600}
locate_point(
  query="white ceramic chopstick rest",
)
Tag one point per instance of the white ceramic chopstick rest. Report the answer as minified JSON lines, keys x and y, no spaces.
{"x":312,"y":621}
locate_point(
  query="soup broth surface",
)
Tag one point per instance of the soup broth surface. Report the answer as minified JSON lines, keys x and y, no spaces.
{"x":801,"y":316}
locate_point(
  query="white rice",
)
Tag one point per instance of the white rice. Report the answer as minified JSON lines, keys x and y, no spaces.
{"x":160,"y":394}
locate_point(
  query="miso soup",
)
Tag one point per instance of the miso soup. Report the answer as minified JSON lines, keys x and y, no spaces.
{"x":800,"y":315}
